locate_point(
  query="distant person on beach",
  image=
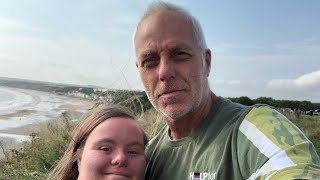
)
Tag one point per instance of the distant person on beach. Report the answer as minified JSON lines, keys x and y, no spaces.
{"x":107,"y":144}
{"x":208,"y":137}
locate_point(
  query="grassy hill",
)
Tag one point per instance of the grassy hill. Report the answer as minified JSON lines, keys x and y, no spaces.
{"x":40,"y":85}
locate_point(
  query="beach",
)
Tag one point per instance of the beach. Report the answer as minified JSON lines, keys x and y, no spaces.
{"x":26,"y":111}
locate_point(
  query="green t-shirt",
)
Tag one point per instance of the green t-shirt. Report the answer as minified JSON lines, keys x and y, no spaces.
{"x":235,"y":142}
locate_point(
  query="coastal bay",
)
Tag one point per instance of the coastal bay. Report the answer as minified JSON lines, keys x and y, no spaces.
{"x":23,"y":112}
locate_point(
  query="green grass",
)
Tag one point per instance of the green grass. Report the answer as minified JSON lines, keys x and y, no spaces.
{"x":310,"y":125}
{"x":151,"y":122}
{"x":39,"y":156}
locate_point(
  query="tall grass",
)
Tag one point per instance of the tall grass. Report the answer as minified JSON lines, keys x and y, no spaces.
{"x":40,"y":155}
{"x":151,"y":122}
{"x":310,"y":125}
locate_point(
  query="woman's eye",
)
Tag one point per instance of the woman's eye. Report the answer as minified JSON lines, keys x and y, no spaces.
{"x":133,"y":152}
{"x":106,"y":148}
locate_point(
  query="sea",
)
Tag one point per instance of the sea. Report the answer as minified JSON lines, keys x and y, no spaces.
{"x":20,"y":107}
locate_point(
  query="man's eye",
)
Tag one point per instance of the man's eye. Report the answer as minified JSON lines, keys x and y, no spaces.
{"x":150,"y":62}
{"x":180,"y":55}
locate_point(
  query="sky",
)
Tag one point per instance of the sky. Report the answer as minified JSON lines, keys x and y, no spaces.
{"x":259,"y":48}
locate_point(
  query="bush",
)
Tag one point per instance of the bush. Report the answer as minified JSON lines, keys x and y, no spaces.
{"x":40,"y":155}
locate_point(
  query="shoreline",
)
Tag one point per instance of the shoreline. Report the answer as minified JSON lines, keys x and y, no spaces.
{"x":12,"y":137}
{"x":71,"y":110}
{"x":31,"y":107}
{"x":32,"y":128}
{"x":18,"y":113}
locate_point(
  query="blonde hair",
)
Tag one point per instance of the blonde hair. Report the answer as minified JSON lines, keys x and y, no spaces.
{"x":67,"y":168}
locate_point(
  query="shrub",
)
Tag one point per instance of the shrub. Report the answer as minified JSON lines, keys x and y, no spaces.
{"x":40,"y":155}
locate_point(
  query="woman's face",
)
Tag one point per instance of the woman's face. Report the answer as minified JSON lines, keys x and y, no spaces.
{"x":113,"y":150}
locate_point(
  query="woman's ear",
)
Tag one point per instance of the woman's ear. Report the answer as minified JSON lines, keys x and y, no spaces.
{"x":78,"y":156}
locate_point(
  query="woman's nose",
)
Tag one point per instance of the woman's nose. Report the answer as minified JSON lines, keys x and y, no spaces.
{"x":119,"y":159}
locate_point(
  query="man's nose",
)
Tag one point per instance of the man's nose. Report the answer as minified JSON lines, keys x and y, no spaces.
{"x":119,"y":159}
{"x":166,"y":69}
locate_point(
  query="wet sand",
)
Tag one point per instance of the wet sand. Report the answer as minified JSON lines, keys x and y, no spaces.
{"x":18,"y":134}
{"x":17,"y":114}
{"x":33,"y":128}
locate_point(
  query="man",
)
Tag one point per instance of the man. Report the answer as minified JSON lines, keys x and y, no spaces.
{"x":208,"y":137}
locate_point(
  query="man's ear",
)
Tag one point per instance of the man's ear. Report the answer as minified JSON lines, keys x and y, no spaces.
{"x":207,"y":58}
{"x":136,"y":64}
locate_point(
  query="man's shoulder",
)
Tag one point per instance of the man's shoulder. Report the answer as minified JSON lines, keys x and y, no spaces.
{"x":266,"y":116}
{"x":225,"y":105}
{"x":267,"y":121}
{"x":228,"y":111}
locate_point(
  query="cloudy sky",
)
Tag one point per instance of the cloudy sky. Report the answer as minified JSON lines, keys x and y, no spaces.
{"x":259,"y":48}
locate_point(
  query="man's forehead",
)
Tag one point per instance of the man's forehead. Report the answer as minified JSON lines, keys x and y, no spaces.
{"x":163,"y":31}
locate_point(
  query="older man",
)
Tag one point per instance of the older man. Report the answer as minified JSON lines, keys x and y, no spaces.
{"x":208,"y":137}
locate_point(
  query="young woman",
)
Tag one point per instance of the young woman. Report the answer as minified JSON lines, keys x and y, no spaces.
{"x":107,"y":144}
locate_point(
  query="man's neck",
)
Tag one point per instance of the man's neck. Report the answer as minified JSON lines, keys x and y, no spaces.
{"x":185,"y":126}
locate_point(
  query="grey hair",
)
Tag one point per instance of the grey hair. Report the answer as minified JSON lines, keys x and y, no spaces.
{"x":160,"y":6}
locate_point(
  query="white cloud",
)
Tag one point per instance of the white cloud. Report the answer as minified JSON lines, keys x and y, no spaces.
{"x":233,"y":82}
{"x":15,"y":24}
{"x":123,"y":25}
{"x":75,"y":61}
{"x":307,"y":45}
{"x":117,"y":30}
{"x":225,"y":82}
{"x":254,"y":66}
{"x":129,"y":20}
{"x":227,"y":48}
{"x":3,"y":55}
{"x":306,"y":82}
